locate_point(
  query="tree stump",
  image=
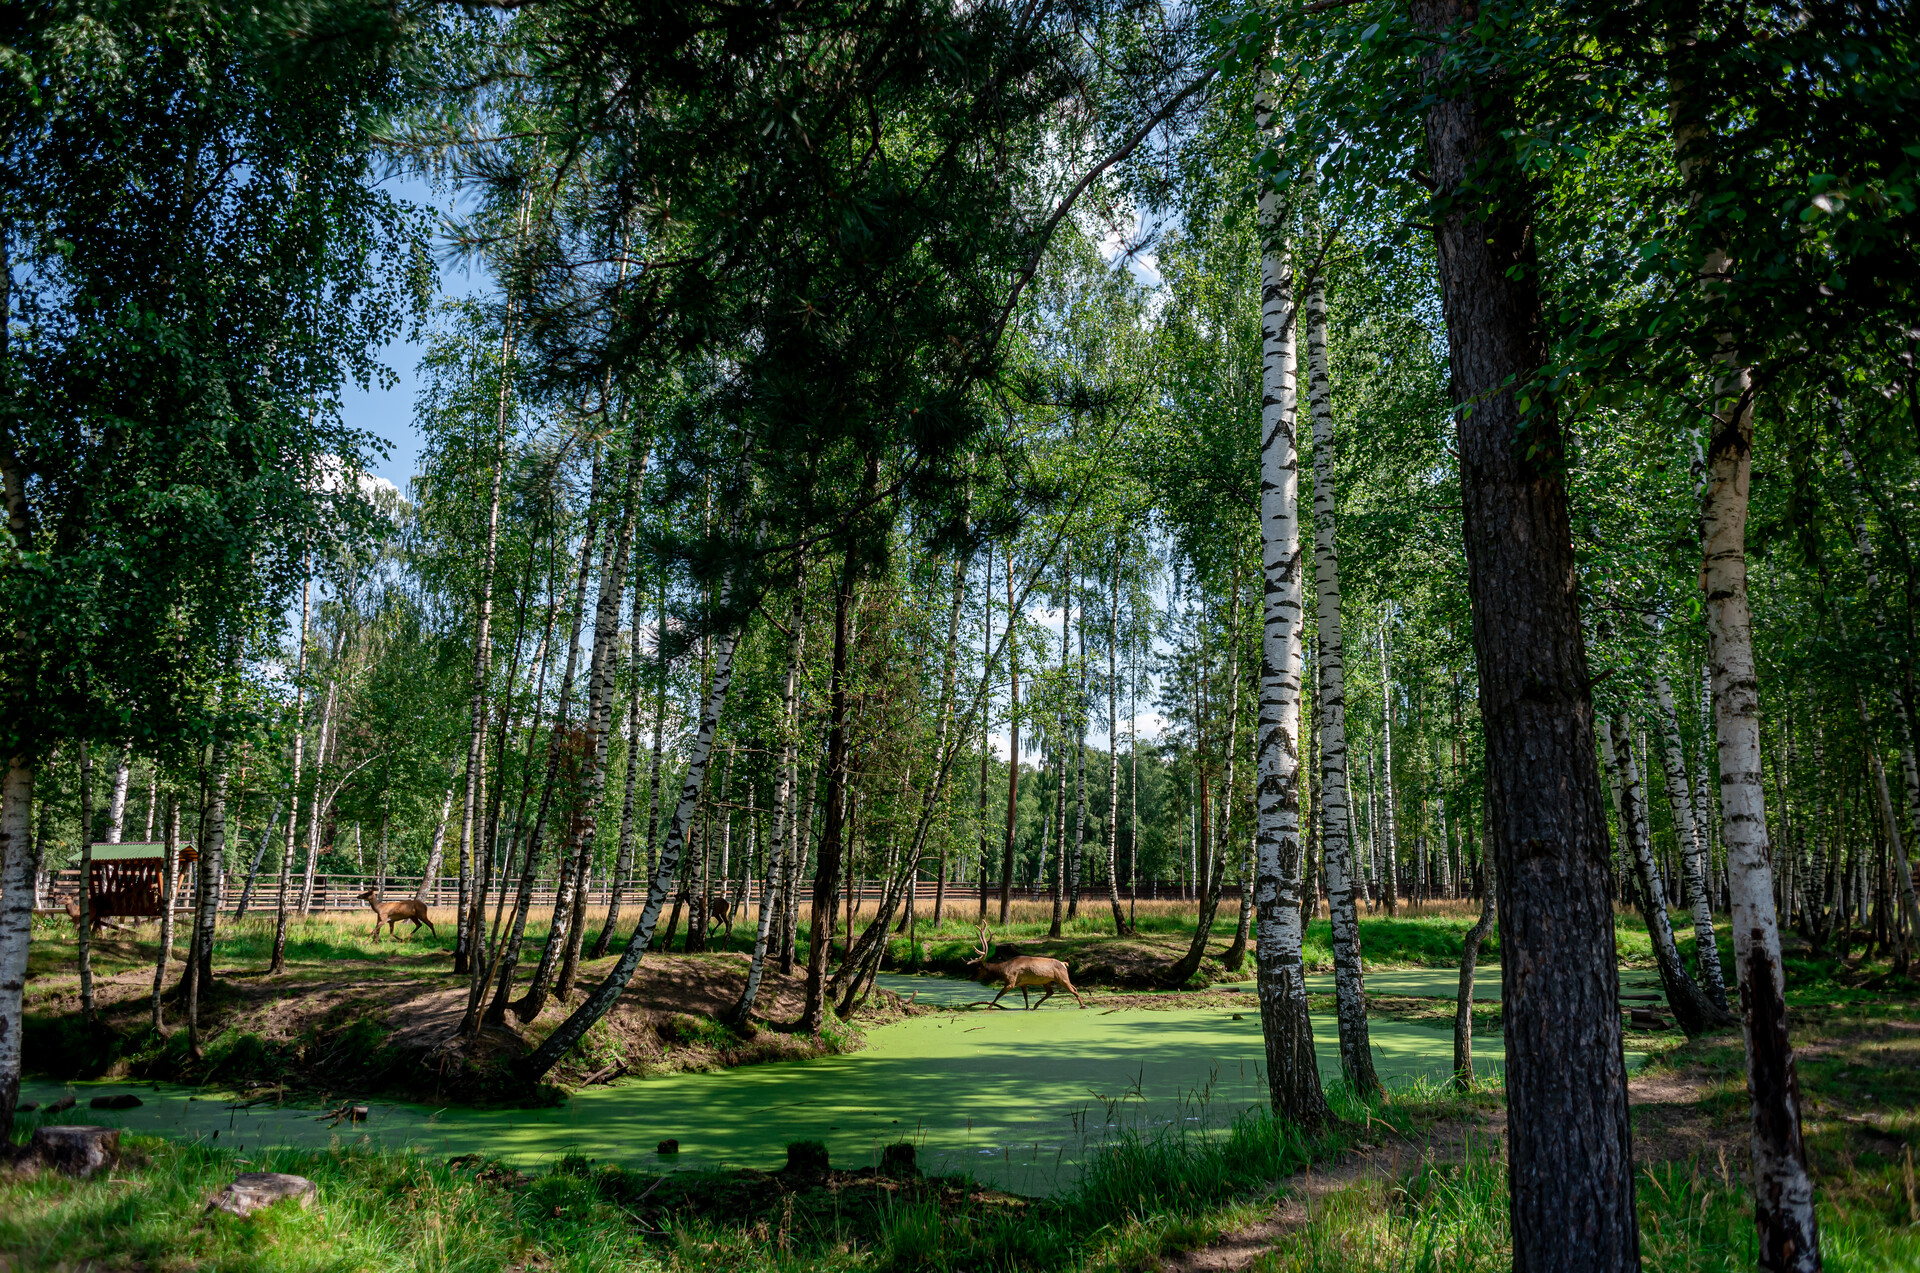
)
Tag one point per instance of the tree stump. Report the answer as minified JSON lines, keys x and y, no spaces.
{"x":76,"y":1151}
{"x":898,"y":1160}
{"x":252,"y":1190}
{"x":807,"y":1160}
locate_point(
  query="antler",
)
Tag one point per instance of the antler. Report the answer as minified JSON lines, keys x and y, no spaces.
{"x":982,"y":949}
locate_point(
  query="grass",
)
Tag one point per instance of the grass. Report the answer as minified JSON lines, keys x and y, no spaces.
{"x":1695,"y":1215}
{"x":1143,"y":1196}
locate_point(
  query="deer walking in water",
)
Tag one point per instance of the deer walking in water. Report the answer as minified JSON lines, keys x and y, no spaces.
{"x":391,"y":913}
{"x":1021,"y":972}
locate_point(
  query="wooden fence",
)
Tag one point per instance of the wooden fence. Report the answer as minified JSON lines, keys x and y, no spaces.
{"x":341,"y":892}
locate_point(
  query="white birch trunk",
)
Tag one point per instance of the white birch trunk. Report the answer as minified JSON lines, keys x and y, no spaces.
{"x":1356,"y":1051}
{"x":1789,"y":1236}
{"x":1390,"y":867}
{"x":1693,"y":849}
{"x":436,"y":852}
{"x":278,"y":961}
{"x":700,"y":755}
{"x":117,"y":808}
{"x":1293,"y":1076}
{"x":16,"y":925}
{"x":1694,"y":1012}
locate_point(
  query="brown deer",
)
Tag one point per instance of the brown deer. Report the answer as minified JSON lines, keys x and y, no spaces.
{"x":1021,"y":972}
{"x":391,"y":913}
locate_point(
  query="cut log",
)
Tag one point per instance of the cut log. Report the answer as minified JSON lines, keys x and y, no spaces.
{"x":119,"y":1100}
{"x":1647,"y":1019}
{"x":252,"y":1190}
{"x":76,"y":1151}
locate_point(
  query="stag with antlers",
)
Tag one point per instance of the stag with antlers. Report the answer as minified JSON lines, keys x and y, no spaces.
{"x":1021,"y":972}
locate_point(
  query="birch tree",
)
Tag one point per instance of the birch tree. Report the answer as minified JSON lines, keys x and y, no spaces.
{"x":1293,"y":1074}
{"x":1356,"y":1051}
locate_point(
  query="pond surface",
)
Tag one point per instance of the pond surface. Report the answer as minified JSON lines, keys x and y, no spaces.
{"x":1017,"y":1098}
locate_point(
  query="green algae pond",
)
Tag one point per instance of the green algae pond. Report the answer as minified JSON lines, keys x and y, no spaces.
{"x":1014,"y":1098}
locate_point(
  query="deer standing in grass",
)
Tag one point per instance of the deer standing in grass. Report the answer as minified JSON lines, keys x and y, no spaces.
{"x":1021,"y":972}
{"x":391,"y":913}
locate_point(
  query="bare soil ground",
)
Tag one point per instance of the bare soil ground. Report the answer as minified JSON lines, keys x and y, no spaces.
{"x":382,"y":1024}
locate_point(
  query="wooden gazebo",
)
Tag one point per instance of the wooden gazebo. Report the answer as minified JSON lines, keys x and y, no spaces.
{"x":125,"y":882}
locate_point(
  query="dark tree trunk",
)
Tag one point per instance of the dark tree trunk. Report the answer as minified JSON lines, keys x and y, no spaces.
{"x":1571,"y":1154}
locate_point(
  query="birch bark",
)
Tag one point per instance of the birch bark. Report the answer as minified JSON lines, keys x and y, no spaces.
{"x":623,"y":858}
{"x":1694,"y":1012}
{"x":16,"y":925}
{"x":782,"y":798}
{"x":277,"y":963}
{"x":1787,"y":1228}
{"x":1113,"y":748}
{"x":699,"y":756}
{"x":436,"y":851}
{"x":1013,"y":744}
{"x":570,"y":928}
{"x":1693,"y":851}
{"x":1356,"y":1051}
{"x":507,"y":956}
{"x":117,"y":807}
{"x":1390,"y":868}
{"x":1293,"y":1075}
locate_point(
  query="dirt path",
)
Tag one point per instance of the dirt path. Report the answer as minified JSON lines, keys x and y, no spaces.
{"x":1669,"y":1123}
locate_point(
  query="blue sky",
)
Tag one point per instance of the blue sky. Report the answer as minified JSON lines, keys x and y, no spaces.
{"x":388,"y":413}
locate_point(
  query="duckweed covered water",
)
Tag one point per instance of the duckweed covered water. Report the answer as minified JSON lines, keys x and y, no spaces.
{"x":1017,"y":1098}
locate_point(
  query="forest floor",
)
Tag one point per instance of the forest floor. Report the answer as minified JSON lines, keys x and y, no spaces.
{"x":1414,"y":1180}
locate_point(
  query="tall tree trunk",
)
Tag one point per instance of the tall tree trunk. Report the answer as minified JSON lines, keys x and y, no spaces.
{"x":1785,"y":1223}
{"x":169,"y":887}
{"x":16,"y":925}
{"x":826,"y":878}
{"x":1013,"y":745}
{"x":117,"y":807}
{"x":83,"y":933}
{"x":1910,"y":772}
{"x":1463,"y":1002}
{"x":278,"y":961}
{"x":1211,"y":871}
{"x":986,"y":752}
{"x":436,"y":851}
{"x":796,"y":864}
{"x":506,"y":958}
{"x":608,"y":992}
{"x":623,"y":859}
{"x":1120,"y":926}
{"x":1692,"y":845}
{"x":1293,"y":1073}
{"x":1390,"y":831}
{"x":316,"y":804}
{"x":783,"y":812}
{"x":1692,"y":1009}
{"x":253,"y":868}
{"x":1350,"y":1000}
{"x":1082,"y":709}
{"x":468,"y":926}
{"x":1570,"y":1145}
{"x":569,"y":908}
{"x":206,"y":899}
